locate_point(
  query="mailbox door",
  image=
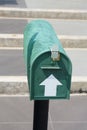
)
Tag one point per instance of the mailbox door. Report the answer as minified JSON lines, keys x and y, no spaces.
{"x":50,"y":79}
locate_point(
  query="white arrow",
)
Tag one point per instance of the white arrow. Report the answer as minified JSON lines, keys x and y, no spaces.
{"x":50,"y":85}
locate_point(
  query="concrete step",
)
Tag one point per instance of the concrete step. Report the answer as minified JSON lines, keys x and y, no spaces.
{"x":13,"y":78}
{"x":12,"y":62}
{"x":71,"y":33}
{"x":19,"y":85}
{"x":69,"y":41}
{"x":25,"y":13}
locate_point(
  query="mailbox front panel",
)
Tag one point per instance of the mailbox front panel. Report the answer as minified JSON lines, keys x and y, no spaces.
{"x":50,"y":79}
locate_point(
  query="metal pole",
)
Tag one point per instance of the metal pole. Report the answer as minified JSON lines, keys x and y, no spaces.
{"x":41,"y":108}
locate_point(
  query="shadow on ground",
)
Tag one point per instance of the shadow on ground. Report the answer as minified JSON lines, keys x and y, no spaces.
{"x":3,"y":2}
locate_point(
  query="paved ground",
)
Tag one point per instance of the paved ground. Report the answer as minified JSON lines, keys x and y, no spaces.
{"x":62,"y":27}
{"x":57,"y":4}
{"x":12,"y":62}
{"x":12,"y":26}
{"x":16,"y":113}
{"x":68,"y":27}
{"x":46,"y":4}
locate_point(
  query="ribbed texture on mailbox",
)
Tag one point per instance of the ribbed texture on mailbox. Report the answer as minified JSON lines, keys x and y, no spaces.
{"x":48,"y":67}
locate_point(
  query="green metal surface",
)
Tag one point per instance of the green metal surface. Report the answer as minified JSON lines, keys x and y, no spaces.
{"x":39,"y":38}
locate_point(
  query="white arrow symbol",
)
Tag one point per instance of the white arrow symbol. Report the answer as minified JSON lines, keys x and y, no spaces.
{"x":50,"y":85}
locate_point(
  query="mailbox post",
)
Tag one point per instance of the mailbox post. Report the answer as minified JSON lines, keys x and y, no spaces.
{"x":40,"y":120}
{"x":49,"y":69}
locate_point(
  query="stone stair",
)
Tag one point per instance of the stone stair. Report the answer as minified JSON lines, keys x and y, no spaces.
{"x":18,"y":84}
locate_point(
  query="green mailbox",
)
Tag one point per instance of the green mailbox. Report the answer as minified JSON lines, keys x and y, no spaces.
{"x":48,"y":67}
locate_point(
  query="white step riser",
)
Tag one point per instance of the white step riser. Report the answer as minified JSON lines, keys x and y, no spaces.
{"x":19,"y":87}
{"x":67,"y":41}
{"x":42,"y":13}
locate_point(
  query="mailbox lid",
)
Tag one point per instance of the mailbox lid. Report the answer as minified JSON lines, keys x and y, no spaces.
{"x":58,"y":74}
{"x":39,"y":37}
